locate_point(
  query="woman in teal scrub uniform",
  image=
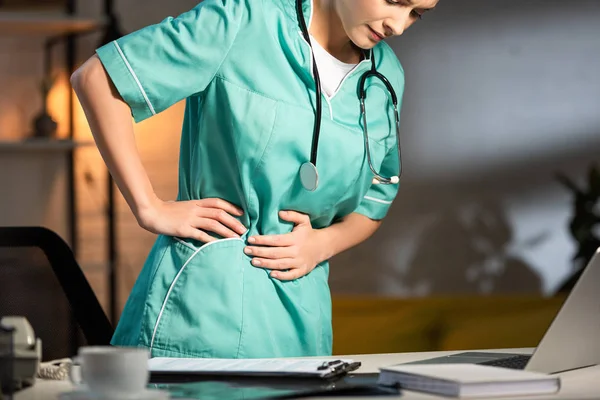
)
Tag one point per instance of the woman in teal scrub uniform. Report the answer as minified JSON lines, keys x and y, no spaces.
{"x":279,"y":170}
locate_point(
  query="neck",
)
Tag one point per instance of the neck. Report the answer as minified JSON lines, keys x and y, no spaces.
{"x":327,"y":29}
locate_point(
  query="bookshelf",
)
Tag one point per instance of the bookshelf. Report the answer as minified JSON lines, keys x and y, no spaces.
{"x":54,"y":25}
{"x":59,"y":25}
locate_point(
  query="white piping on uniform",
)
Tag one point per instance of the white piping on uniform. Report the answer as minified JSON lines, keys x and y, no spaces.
{"x":377,"y":200}
{"x":162,"y":308}
{"x":349,"y":74}
{"x":330,"y":108}
{"x":135,"y":77}
{"x":327,"y":98}
{"x":311,"y":56}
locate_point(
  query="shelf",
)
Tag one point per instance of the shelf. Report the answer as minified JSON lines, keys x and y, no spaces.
{"x":44,"y":23}
{"x":41,"y":145}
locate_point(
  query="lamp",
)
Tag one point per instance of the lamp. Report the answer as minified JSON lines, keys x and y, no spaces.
{"x":44,"y":126}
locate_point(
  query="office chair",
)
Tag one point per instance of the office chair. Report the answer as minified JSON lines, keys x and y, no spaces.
{"x":41,"y":280}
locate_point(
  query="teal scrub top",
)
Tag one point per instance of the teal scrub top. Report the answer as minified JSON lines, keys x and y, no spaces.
{"x":245,"y":71}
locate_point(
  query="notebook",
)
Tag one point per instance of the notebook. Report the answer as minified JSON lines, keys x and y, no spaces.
{"x":468,"y":380}
{"x":277,"y":367}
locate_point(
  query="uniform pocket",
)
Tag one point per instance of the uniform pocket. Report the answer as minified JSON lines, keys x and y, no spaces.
{"x":201,"y":314}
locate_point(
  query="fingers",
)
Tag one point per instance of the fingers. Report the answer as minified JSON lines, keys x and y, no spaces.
{"x":279,"y":264}
{"x":283,"y":269}
{"x":295,"y":217}
{"x":286,"y":239}
{"x":199,"y":235}
{"x":220,"y":204}
{"x":212,"y":225}
{"x":223,"y":218}
{"x":271,"y":252}
{"x":287,"y":275}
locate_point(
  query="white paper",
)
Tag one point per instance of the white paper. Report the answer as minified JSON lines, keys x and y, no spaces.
{"x":243,"y":366}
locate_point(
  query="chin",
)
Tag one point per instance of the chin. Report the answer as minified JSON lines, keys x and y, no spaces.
{"x":363,"y":42}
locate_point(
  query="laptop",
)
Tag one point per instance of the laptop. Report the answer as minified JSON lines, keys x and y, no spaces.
{"x":570,"y":342}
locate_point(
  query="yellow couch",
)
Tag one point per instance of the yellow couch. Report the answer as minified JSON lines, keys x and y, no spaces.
{"x":389,"y":325}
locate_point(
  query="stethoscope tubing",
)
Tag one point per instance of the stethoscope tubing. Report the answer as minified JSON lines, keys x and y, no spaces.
{"x":312,"y":172}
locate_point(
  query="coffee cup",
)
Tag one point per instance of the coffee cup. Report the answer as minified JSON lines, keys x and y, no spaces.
{"x":116,"y":372}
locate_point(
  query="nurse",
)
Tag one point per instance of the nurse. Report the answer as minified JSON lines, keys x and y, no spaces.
{"x":276,"y":169}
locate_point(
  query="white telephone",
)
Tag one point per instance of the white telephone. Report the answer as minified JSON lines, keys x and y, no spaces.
{"x":27,"y":350}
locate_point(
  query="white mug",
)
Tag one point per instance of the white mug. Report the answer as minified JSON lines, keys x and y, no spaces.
{"x":110,"y":370}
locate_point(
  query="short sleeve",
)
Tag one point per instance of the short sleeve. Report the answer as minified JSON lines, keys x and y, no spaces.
{"x":162,"y":64}
{"x":378,"y":199}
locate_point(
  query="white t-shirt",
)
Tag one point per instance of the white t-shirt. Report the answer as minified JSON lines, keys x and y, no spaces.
{"x":331,"y":70}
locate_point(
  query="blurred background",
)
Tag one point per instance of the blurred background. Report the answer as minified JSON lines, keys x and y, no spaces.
{"x":498,"y":206}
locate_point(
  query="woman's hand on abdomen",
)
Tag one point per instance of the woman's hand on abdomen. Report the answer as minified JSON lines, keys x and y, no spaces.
{"x":196,"y":219}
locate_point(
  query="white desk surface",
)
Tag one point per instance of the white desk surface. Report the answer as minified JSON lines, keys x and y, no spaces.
{"x":576,"y":385}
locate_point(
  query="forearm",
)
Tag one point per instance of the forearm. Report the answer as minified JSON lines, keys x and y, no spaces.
{"x":110,"y":121}
{"x":341,"y":236}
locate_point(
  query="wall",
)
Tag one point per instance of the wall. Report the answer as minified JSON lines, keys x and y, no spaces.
{"x":499,"y":97}
{"x":21,"y":72}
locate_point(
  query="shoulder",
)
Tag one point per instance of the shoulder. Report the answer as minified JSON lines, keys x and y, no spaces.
{"x":390,"y":61}
{"x":281,"y":16}
{"x":256,"y":14}
{"x":390,"y":66}
{"x":284,"y":8}
{"x":234,"y":10}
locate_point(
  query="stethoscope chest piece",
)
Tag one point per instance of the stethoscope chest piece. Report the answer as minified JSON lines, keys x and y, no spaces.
{"x":309,"y":176}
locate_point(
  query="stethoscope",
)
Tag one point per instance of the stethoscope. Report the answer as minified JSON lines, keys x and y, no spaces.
{"x":309,"y":175}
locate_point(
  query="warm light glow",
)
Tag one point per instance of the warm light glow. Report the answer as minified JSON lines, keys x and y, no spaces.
{"x":159,"y":135}
{"x":59,"y":110}
{"x":154,"y":132}
{"x":11,"y":121}
{"x":157,"y":141}
{"x":58,"y":104}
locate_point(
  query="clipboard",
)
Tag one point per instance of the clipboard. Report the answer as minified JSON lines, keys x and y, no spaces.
{"x":166,"y":369}
{"x":253,"y":388}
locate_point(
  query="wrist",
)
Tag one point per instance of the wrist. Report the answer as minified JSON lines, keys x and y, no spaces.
{"x":145,"y":206}
{"x":325,"y":244}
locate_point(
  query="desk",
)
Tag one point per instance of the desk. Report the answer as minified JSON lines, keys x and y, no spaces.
{"x":576,"y":385}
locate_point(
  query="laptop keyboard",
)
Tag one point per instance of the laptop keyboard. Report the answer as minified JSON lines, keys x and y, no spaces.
{"x":514,"y":362}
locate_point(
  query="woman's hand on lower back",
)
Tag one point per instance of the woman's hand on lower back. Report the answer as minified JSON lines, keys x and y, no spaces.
{"x":196,"y":219}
